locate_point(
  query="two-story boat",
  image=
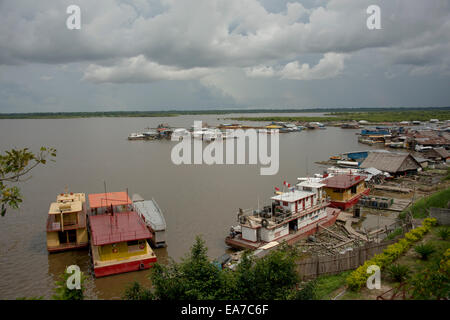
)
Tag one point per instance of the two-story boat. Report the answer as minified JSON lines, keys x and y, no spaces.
{"x":292,"y":215}
{"x":66,"y":223}
{"x":118,"y":235}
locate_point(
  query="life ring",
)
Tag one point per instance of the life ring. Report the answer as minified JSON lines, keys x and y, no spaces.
{"x":264,"y":223}
{"x":142,"y":246}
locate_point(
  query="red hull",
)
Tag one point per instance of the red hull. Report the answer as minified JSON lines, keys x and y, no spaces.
{"x":302,"y":233}
{"x":124,"y":267}
{"x":350,"y":203}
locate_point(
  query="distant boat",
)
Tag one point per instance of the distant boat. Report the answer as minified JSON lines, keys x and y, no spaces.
{"x":136,"y":136}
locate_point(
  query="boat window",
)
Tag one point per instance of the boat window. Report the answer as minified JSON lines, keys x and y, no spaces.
{"x":132,"y":243}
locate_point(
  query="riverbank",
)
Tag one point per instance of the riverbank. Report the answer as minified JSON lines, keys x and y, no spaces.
{"x":372,"y":117}
{"x":331,"y":114}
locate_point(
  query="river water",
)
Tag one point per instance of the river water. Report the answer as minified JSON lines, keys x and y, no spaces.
{"x":196,"y":199}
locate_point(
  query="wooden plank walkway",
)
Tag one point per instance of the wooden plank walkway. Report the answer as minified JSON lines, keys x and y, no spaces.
{"x":392,"y":188}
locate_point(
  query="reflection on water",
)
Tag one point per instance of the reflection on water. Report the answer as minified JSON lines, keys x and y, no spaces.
{"x":195,"y":199}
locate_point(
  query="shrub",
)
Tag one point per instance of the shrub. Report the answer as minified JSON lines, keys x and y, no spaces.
{"x":398,"y":272}
{"x":444,"y":233}
{"x":424,"y":250}
{"x":359,"y":276}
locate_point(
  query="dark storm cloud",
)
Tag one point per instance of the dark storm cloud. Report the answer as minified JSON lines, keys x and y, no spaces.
{"x":233,"y":48}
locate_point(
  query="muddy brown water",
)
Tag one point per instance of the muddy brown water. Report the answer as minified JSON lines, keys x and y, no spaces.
{"x":196,"y":199}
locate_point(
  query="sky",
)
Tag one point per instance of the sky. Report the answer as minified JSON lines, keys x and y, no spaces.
{"x":219,"y":54}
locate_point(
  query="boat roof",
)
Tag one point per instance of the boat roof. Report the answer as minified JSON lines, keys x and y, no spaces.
{"x":293,"y":196}
{"x":101,"y":200}
{"x":136,"y":197}
{"x":70,"y":197}
{"x":343,"y":181}
{"x":120,"y":227}
{"x":312,"y":184}
{"x":65,"y":207}
{"x":151,"y":213}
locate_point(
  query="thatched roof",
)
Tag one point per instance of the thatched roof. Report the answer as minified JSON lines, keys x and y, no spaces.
{"x":390,"y":162}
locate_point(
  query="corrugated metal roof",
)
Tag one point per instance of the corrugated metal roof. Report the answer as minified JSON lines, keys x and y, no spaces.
{"x":100,"y":200}
{"x":151,"y":213}
{"x":343,"y":181}
{"x":390,"y":162}
{"x":120,"y":227}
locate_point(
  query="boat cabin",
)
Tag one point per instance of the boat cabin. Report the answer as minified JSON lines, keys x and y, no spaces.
{"x":66,"y":223}
{"x":345,"y":190}
{"x":101,"y":203}
{"x":289,"y":213}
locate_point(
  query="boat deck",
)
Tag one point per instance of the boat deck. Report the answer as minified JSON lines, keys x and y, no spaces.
{"x":292,"y":237}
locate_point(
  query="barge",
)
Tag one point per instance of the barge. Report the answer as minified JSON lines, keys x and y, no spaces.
{"x":292,"y":216}
{"x":66,"y":223}
{"x":118,"y":235}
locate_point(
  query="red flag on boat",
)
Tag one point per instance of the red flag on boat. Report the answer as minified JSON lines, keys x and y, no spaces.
{"x":278,"y":189}
{"x":284,"y":182}
{"x":289,"y":185}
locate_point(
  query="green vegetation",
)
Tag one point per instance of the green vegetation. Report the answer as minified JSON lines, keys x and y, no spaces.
{"x":196,"y":278}
{"x":14,"y":166}
{"x":62,"y":292}
{"x":344,"y":114}
{"x":398,"y":272}
{"x":370,"y":116}
{"x":424,"y":250}
{"x":326,"y":286}
{"x":436,"y":200}
{"x":397,"y":232}
{"x":359,"y":277}
{"x":137,"y":292}
{"x":443,"y":233}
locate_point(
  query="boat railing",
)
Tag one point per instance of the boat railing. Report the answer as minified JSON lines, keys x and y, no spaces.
{"x":119,"y":237}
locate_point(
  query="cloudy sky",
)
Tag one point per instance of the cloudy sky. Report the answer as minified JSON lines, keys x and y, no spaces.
{"x":199,"y":54}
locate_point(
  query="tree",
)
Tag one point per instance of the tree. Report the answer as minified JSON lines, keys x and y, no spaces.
{"x":137,"y":292}
{"x":62,"y":292}
{"x":196,"y":278}
{"x":15,"y":164}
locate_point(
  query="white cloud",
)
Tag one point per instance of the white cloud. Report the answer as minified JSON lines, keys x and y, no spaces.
{"x":330,"y":66}
{"x":139,"y":69}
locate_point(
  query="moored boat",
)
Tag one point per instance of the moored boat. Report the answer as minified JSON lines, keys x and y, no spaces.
{"x":153,"y":216}
{"x":66,"y":223}
{"x":292,"y":216}
{"x":118,"y":235}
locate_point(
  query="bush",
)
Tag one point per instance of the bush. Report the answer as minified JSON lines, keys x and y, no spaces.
{"x":398,"y":272}
{"x":359,"y":277}
{"x":444,"y":233}
{"x":424,"y":250}
{"x":137,"y":292}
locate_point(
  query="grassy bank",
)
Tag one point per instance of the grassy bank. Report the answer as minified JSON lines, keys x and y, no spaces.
{"x":420,"y":207}
{"x":373,"y":116}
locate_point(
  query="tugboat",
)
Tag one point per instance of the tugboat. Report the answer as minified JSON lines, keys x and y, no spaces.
{"x":66,"y":223}
{"x":118,"y":235}
{"x":292,"y":216}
